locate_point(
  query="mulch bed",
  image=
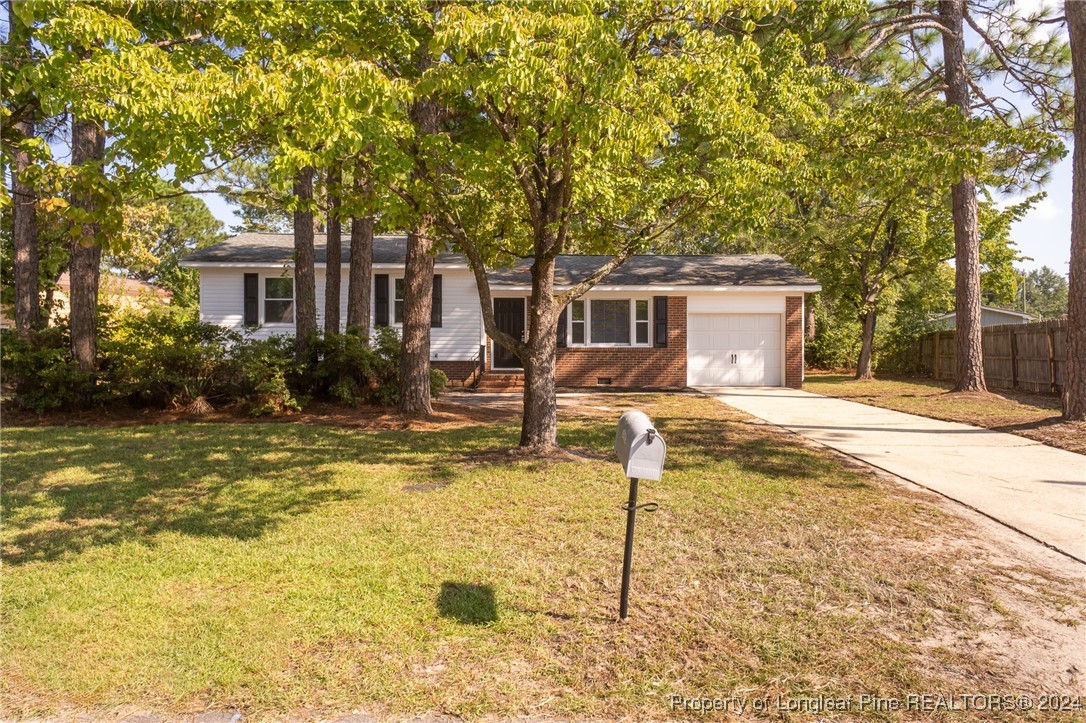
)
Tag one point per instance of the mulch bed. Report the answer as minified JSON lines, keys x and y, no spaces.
{"x":447,"y":415}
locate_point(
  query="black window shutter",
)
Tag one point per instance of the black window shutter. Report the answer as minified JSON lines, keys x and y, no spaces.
{"x":435,"y":303}
{"x":380,"y":300}
{"x":562,"y":328}
{"x":252,"y":299}
{"x":659,"y":313}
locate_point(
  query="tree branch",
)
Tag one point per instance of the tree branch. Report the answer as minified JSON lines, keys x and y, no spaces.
{"x":898,"y":20}
{"x":482,"y":281}
{"x":1004,"y":62}
{"x":176,"y":41}
{"x":887,"y":33}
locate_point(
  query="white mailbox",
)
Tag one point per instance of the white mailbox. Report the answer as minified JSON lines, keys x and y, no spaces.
{"x":639,"y":448}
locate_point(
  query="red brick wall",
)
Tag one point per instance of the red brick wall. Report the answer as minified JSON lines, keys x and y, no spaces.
{"x":793,"y":342}
{"x":645,"y":367}
{"x":458,"y":372}
{"x":640,"y":367}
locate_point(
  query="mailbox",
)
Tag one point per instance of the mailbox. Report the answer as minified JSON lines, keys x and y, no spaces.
{"x":641,"y":451}
{"x":639,"y":448}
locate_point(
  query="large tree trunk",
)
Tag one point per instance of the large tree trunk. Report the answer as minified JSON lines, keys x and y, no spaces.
{"x":417,"y":306}
{"x":24,"y":215}
{"x":334,"y":257}
{"x":24,"y":234}
{"x":969,"y":375}
{"x":88,"y":147}
{"x":1074,"y":387}
{"x":539,"y":422}
{"x":868,"y":318}
{"x":418,"y":283}
{"x":361,"y":269}
{"x":305,"y":287}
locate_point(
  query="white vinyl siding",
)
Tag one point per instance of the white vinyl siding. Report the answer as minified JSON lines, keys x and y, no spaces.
{"x":222,"y":302}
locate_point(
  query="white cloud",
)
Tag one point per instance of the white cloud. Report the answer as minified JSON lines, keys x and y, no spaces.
{"x":1046,"y":210}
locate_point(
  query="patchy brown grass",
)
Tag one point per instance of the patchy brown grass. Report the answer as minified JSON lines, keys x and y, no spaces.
{"x":312,"y":569}
{"x":1036,"y":416}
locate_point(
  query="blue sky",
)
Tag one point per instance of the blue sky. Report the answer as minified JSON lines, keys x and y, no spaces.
{"x":1045,"y":234}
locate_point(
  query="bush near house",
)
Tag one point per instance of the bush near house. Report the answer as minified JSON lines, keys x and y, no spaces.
{"x":167,"y":358}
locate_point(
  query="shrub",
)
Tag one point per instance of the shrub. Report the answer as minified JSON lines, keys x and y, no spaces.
{"x":164,"y":356}
{"x":260,"y":368}
{"x":167,"y":357}
{"x":342,"y":367}
{"x":438,"y":382}
{"x":42,"y":372}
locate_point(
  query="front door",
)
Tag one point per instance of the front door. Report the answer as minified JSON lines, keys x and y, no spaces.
{"x":509,"y":316}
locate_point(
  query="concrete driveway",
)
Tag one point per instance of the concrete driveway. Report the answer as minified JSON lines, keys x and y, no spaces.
{"x":1037,"y":490}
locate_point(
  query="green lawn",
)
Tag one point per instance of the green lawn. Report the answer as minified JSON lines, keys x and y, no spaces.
{"x":285,"y":567}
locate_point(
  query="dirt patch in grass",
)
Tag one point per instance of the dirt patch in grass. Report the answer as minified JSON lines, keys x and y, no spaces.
{"x":1035,"y":416}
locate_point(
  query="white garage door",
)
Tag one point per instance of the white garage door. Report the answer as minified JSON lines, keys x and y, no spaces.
{"x":734,"y":350}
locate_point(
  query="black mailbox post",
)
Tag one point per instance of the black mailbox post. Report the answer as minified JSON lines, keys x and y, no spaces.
{"x":641,"y":450}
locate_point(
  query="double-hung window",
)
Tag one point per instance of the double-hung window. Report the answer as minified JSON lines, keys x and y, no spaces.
{"x":609,"y":322}
{"x":278,"y":301}
{"x":641,"y":321}
{"x":398,"y":303}
{"x":577,"y":322}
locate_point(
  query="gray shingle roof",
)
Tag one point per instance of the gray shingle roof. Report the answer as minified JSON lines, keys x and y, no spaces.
{"x":708,"y":270}
{"x":278,"y":248}
{"x":705,"y":270}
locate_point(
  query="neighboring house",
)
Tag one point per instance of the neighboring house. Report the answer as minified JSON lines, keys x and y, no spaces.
{"x":989,"y":316}
{"x":661,"y":322}
{"x":117,"y":291}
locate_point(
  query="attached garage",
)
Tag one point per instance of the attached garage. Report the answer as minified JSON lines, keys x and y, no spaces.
{"x":734,"y":350}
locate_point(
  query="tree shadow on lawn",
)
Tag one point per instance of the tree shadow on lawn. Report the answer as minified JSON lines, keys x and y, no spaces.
{"x":467,"y":603}
{"x":752,"y":447}
{"x":74,"y":489}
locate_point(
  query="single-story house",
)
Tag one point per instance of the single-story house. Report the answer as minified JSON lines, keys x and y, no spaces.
{"x":656,"y":322}
{"x":989,"y":316}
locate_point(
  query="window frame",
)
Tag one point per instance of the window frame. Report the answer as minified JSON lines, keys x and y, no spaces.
{"x":647,"y":321}
{"x":587,"y":322}
{"x":399,"y":286}
{"x":583,"y":321}
{"x":264,"y":299}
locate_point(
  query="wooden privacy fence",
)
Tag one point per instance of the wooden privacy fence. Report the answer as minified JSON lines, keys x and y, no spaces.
{"x":1030,"y":357}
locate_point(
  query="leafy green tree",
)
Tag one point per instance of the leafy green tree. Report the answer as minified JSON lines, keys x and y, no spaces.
{"x":1043,"y":292}
{"x":123,"y":71}
{"x":159,"y":234}
{"x":245,"y":185}
{"x":305,"y":93}
{"x":18,"y":139}
{"x":601,"y":130}
{"x":872,"y":208}
{"x":965,"y":49}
